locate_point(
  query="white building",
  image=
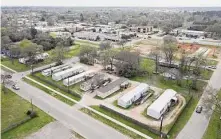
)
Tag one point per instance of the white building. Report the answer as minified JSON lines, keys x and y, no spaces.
{"x":56,"y":69}
{"x":78,"y":78}
{"x":69,"y":72}
{"x":127,"y":99}
{"x":159,"y":106}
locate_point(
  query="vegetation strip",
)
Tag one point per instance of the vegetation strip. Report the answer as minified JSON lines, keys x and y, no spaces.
{"x":65,"y":100}
{"x":14,"y":109}
{"x":112,"y":124}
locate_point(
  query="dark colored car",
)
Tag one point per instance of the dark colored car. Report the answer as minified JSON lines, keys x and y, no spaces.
{"x":199,"y":109}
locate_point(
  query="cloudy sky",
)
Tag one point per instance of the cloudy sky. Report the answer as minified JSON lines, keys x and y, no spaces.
{"x":140,"y":3}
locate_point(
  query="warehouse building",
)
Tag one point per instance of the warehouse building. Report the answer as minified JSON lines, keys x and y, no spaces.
{"x":127,"y":99}
{"x":111,"y":87}
{"x":161,"y":105}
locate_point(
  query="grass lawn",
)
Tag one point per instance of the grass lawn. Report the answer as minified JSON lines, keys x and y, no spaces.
{"x":126,"y":122}
{"x":112,"y":124}
{"x":212,"y":62}
{"x":53,"y":87}
{"x":87,"y":43}
{"x":214,"y":127}
{"x":206,"y":74}
{"x":14,"y":109}
{"x":67,"y":101}
{"x":74,"y":51}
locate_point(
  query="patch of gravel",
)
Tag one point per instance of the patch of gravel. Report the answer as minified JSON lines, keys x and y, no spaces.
{"x":54,"y":130}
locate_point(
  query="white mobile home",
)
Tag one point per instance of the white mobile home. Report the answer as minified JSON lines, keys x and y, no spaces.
{"x":56,"y":69}
{"x":78,"y":78}
{"x":127,"y":99}
{"x":69,"y":72}
{"x":159,"y":106}
{"x":112,"y":87}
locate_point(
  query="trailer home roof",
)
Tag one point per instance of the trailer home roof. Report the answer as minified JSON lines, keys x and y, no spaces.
{"x":129,"y":95}
{"x":162,"y":101}
{"x":112,"y":85}
{"x":68,"y":70}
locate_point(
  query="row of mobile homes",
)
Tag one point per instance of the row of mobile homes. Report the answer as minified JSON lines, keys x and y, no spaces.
{"x":127,"y":99}
{"x":56,"y":69}
{"x":66,"y":73}
{"x":78,"y":78}
{"x":161,"y":105}
{"x":112,"y":87}
{"x":95,"y":81}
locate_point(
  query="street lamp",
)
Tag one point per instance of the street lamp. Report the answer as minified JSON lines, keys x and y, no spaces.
{"x":161,"y":125}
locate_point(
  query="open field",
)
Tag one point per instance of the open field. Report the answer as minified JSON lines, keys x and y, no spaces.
{"x":14,"y":109}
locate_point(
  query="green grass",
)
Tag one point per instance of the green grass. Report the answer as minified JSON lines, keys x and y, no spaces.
{"x":214,"y":127}
{"x":15,"y":66}
{"x":212,"y":62}
{"x":55,"y":88}
{"x":126,"y":122}
{"x":14,"y":109}
{"x":75,"y":87}
{"x":112,"y":124}
{"x":206,"y":74}
{"x":63,"y":99}
{"x":22,"y":67}
{"x":184,"y":117}
{"x":87,"y":43}
{"x":52,"y":34}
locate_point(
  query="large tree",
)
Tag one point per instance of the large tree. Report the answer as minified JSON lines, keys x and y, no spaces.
{"x":104,"y":45}
{"x":107,"y":58}
{"x":169,"y":48}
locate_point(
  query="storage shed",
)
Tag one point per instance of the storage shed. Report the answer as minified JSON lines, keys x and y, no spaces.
{"x":127,"y":99}
{"x":56,"y":69}
{"x":112,"y":87}
{"x":69,"y":72}
{"x":78,"y":78}
{"x":159,"y":106}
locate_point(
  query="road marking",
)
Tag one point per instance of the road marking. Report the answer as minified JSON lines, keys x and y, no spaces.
{"x":95,"y":111}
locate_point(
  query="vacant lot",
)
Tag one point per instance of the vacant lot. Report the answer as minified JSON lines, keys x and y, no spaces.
{"x":14,"y":109}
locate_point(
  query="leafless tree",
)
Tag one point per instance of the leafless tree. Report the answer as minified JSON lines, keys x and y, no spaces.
{"x":107,"y":57}
{"x":105,"y":45}
{"x":156,"y":53}
{"x":169,"y":48}
{"x":212,"y":102}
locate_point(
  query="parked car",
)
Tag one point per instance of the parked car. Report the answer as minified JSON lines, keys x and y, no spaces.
{"x":8,"y":76}
{"x":199,"y":109}
{"x":212,"y":67}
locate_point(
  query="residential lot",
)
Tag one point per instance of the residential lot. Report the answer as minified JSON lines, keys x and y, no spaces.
{"x":14,"y":109}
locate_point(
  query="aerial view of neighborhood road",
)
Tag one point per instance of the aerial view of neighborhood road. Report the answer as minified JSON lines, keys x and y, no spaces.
{"x":96,"y":69}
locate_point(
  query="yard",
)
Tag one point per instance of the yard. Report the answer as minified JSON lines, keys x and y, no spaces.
{"x":14,"y":109}
{"x":73,"y":51}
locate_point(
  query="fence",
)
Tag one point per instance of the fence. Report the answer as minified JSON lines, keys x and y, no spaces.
{"x":16,"y":124}
{"x":56,"y":85}
{"x":157,"y":132}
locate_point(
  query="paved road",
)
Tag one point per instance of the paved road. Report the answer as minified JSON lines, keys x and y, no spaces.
{"x":198,"y":123}
{"x":73,"y":119}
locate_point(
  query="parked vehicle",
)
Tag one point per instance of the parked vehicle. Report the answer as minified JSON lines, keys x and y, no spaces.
{"x":212,"y":67}
{"x":16,"y":87}
{"x":199,"y":109}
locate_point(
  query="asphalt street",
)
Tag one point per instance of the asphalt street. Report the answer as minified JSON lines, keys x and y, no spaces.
{"x":197,"y":124}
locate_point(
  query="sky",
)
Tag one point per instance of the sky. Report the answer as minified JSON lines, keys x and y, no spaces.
{"x":116,"y":3}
